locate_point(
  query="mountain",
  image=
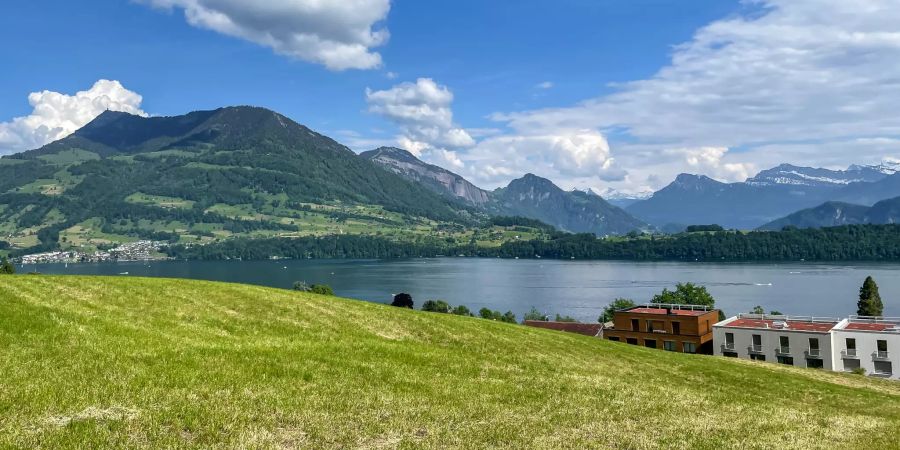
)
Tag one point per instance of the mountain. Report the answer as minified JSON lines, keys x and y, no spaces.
{"x":576,"y":211}
{"x":207,"y":174}
{"x":766,"y":197}
{"x":832,"y":214}
{"x":621,"y":199}
{"x":433,"y":177}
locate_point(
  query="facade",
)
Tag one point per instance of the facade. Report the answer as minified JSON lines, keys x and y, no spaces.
{"x":587,"y":329}
{"x":790,"y":340}
{"x":867,"y":343}
{"x":679,"y":328}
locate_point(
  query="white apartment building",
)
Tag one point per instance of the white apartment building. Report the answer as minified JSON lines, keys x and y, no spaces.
{"x":828,"y":343}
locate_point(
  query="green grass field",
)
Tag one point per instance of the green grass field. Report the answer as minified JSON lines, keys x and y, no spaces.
{"x":93,"y":362}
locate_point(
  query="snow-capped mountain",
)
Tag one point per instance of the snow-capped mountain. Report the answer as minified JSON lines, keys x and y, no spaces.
{"x":787,"y":174}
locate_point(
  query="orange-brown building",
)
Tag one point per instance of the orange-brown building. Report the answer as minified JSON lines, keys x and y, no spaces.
{"x":677,"y":328}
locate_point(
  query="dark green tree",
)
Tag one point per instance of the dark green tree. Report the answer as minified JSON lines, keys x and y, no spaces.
{"x":560,"y":318}
{"x":438,"y":306}
{"x":615,"y":305}
{"x":301,"y":286}
{"x":757,"y":310}
{"x":6,"y":267}
{"x":461,"y":310}
{"x":508,"y":317}
{"x":534,"y":314}
{"x":686,"y":294}
{"x":321,"y":289}
{"x":403,"y":300}
{"x":869,"y":299}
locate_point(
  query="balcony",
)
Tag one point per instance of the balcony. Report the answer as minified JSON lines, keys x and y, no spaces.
{"x":849,"y":353}
{"x":728,"y":348}
{"x":813,"y":353}
{"x":783,"y":351}
{"x":755,"y":349}
{"x":880,"y":356}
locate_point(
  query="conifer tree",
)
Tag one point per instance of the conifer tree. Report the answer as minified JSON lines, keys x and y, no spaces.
{"x":869,"y":299}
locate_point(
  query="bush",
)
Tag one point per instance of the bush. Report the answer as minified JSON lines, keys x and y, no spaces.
{"x":534,"y":314}
{"x":321,"y":289}
{"x":859,"y":371}
{"x":403,"y":300}
{"x":565,"y":319}
{"x":461,"y":310}
{"x":6,"y":267}
{"x":438,"y":306}
{"x":301,"y":286}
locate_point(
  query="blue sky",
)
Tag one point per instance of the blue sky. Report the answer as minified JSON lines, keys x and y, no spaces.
{"x":588,"y":93}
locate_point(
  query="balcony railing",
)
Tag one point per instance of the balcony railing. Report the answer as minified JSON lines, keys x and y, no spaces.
{"x":849,"y":353}
{"x":880,"y":355}
{"x":782,"y":350}
{"x":728,"y":348}
{"x":755,"y":349}
{"x":813,"y":353}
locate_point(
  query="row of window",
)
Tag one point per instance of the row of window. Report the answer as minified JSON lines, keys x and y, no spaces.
{"x":672,"y":346}
{"x":653,"y":325}
{"x":784,"y":345}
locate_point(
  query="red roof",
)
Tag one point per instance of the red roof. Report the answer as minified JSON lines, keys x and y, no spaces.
{"x":870,"y":326}
{"x":587,"y":329}
{"x":663,"y":311}
{"x":792,"y":325}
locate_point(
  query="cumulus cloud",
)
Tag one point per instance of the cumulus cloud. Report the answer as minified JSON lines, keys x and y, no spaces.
{"x":820,"y":72}
{"x":422,"y":111}
{"x":337,"y":34}
{"x":544,"y":85}
{"x":56,"y":115}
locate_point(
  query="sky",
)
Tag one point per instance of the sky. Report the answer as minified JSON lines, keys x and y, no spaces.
{"x":614,"y":95}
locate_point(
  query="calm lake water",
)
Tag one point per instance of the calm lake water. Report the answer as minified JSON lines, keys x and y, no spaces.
{"x":577,"y":288}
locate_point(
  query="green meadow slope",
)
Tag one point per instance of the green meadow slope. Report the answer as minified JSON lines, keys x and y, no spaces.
{"x":91,"y":362}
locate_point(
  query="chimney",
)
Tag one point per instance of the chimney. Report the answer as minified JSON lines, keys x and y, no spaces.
{"x":669,"y":310}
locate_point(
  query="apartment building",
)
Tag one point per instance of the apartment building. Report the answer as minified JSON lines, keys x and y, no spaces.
{"x":678,"y":328}
{"x":868,"y":343}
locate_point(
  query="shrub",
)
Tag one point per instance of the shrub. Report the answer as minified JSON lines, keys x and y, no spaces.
{"x":301,"y":286}
{"x":534,"y":314}
{"x":438,"y":306}
{"x":403,"y":300}
{"x":321,"y":289}
{"x":461,"y":310}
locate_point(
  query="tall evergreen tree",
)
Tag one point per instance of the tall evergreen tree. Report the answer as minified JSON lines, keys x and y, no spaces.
{"x":869,"y":299}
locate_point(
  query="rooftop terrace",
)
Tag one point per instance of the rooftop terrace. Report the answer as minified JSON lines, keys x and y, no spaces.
{"x":778,"y":322}
{"x":877,"y":324}
{"x":670,"y":309}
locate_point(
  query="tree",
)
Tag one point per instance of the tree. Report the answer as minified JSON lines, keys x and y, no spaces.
{"x":869,"y":299}
{"x":534,"y":314}
{"x":403,"y":300}
{"x":686,"y":294}
{"x":776,"y":312}
{"x":461,"y":310}
{"x":560,"y":318}
{"x":438,"y":306}
{"x":485,"y":313}
{"x":301,"y":286}
{"x":321,"y":289}
{"x":757,"y":310}
{"x":615,"y":305}
{"x":508,"y":317}
{"x":6,"y":267}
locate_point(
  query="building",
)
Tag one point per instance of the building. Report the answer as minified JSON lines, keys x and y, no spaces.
{"x":791,"y":340}
{"x":868,"y":343}
{"x":587,"y":329}
{"x":678,"y":328}
{"x":845,"y":345}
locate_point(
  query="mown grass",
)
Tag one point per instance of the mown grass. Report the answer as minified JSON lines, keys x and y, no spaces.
{"x":93,"y":362}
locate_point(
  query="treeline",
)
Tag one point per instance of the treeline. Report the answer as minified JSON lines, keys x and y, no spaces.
{"x":844,"y":243}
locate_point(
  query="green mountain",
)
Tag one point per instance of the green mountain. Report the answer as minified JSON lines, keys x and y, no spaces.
{"x":155,"y":363}
{"x":207,"y":174}
{"x":831,"y":214}
{"x":530,"y":196}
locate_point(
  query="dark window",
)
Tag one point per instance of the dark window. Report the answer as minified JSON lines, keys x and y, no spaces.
{"x":851,"y":364}
{"x":882,"y":345}
{"x":632,"y":341}
{"x":649,"y":326}
{"x":786,"y":360}
{"x":614,"y":338}
{"x":730,"y":354}
{"x":756,"y":357}
{"x":851,"y":344}
{"x":635,"y":325}
{"x":815,"y":363}
{"x":650,"y":343}
{"x":883,"y":368}
{"x":689,"y":347}
{"x":676,"y":327}
{"x":669,"y":345}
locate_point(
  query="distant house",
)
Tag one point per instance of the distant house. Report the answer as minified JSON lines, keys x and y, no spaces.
{"x":843,"y":345}
{"x":587,"y":329}
{"x":676,"y":328}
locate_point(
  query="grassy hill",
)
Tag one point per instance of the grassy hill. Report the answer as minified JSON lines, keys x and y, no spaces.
{"x":92,"y":362}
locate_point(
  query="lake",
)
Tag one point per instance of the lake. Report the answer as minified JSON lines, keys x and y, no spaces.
{"x":577,"y":288}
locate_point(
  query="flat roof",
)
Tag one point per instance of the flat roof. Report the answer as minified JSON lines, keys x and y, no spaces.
{"x":663,"y":311}
{"x":879,"y":324}
{"x":814,"y":326}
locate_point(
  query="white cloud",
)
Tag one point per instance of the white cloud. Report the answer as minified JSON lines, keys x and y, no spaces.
{"x":422,"y":112}
{"x":820,"y":72}
{"x":55,"y":115}
{"x":544,"y":85}
{"x":337,"y":34}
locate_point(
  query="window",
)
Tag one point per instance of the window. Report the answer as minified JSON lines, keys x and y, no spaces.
{"x":669,"y":345}
{"x":786,"y":360}
{"x":635,"y":325}
{"x":689,"y":347}
{"x":851,"y":364}
{"x":756,"y":357}
{"x":632,"y":341}
{"x":813,"y":346}
{"x":784,"y":344}
{"x":729,"y":341}
{"x":730,"y":354}
{"x":882,"y":351}
{"x":650,"y":343}
{"x":614,"y":338}
{"x":883,"y":368}
{"x":649,"y":326}
{"x":757,"y":343}
{"x":851,"y":348}
{"x":676,"y":327}
{"x":814,"y":363}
